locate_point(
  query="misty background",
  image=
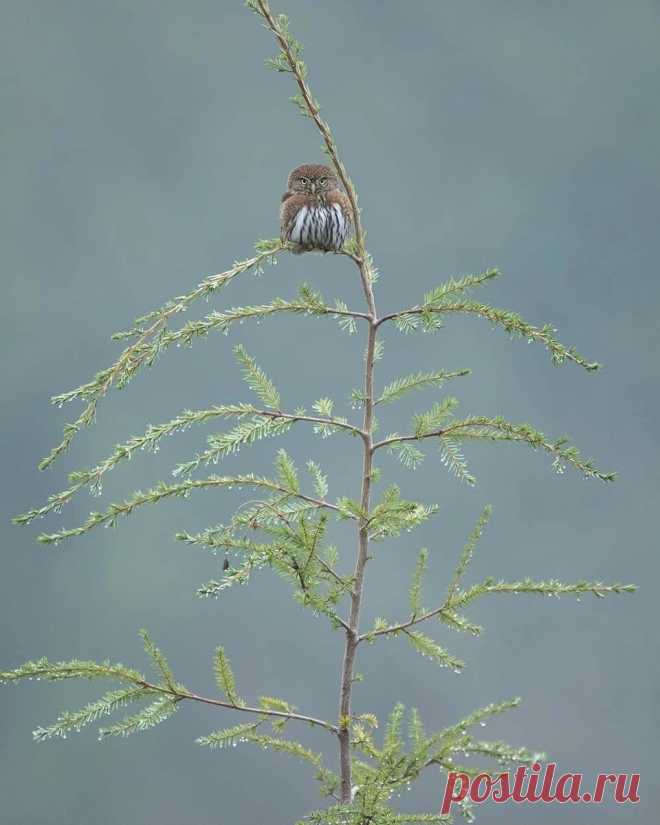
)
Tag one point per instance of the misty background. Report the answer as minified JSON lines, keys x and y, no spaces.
{"x":144,"y":146}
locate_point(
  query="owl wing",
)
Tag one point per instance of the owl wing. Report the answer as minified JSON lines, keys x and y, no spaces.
{"x":292,"y":203}
{"x":336,"y":196}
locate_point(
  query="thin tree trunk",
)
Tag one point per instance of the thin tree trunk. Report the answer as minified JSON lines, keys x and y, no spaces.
{"x":352,"y":632}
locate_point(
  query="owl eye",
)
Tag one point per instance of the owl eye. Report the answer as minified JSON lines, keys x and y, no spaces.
{"x":323,"y":181}
{"x":303,"y":180}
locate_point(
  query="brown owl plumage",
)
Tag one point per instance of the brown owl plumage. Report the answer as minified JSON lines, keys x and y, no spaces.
{"x":315,"y":212}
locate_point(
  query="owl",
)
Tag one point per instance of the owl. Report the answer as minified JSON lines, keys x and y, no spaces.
{"x":315,"y":212}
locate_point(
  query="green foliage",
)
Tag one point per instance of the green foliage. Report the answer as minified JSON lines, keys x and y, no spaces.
{"x":346,"y":320}
{"x":152,"y":715}
{"x":270,"y":703}
{"x":458,"y":622}
{"x":454,"y":460}
{"x":431,"y":650}
{"x":402,"y":386}
{"x":349,"y":508}
{"x":407,"y":322}
{"x":149,"y":441}
{"x":499,"y":429}
{"x":380,"y":815}
{"x":151,"y":336}
{"x":441,"y":301}
{"x":257,"y":380}
{"x":287,"y":473}
{"x":289,"y":746}
{"x":224,"y":444}
{"x":439,"y":423}
{"x":394,"y":514}
{"x":398,"y":762}
{"x":416,"y":586}
{"x":427,"y":423}
{"x":285,"y":529}
{"x":180,"y":489}
{"x":160,"y":663}
{"x":457,"y":286}
{"x":229,"y":737}
{"x":477,"y":717}
{"x":551,"y":587}
{"x":328,"y":424}
{"x":379,"y":350}
{"x":73,"y":669}
{"x":468,"y":550}
{"x":224,"y":677}
{"x":409,"y":455}
{"x":164,"y":696}
{"x":74,"y":721}
{"x":295,"y":548}
{"x":324,"y":406}
{"x":320,"y":479}
{"x":514,"y":324}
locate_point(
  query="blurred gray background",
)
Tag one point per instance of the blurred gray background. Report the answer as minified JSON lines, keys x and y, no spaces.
{"x":143,"y":147}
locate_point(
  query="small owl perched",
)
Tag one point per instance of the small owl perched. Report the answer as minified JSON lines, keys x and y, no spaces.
{"x":315,"y":212}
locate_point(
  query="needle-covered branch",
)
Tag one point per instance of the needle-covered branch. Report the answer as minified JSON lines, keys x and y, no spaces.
{"x":408,"y":320}
{"x":468,"y":552}
{"x":264,"y":423}
{"x":401,"y":760}
{"x":551,"y":587}
{"x":155,"y":337}
{"x":285,"y":530}
{"x":462,"y":598}
{"x":457,"y":599}
{"x":181,"y":489}
{"x":151,"y":336}
{"x":497,"y":428}
{"x":296,"y":550}
{"x":163,"y":695}
{"x":440,"y":301}
{"x":383,"y":628}
{"x":417,"y":381}
{"x":308,"y":303}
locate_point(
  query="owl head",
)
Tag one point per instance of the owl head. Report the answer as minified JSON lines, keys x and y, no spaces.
{"x":312,"y":178}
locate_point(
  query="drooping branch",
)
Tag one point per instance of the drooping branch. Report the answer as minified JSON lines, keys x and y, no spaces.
{"x":153,"y":336}
{"x":139,"y":688}
{"x":149,"y":332}
{"x":265,"y":422}
{"x":307,"y":304}
{"x":180,"y":490}
{"x":513,"y":323}
{"x":150,"y":440}
{"x":499,"y":429}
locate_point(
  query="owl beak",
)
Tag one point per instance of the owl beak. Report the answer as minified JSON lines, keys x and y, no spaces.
{"x":313,"y":187}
